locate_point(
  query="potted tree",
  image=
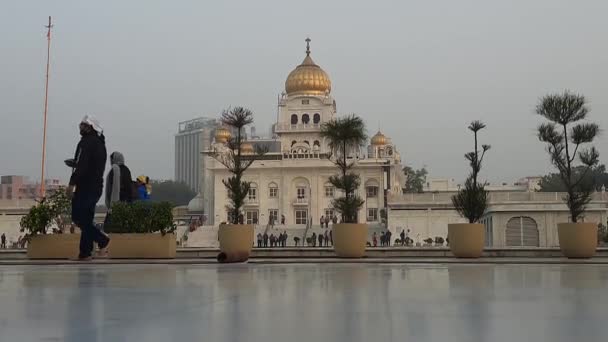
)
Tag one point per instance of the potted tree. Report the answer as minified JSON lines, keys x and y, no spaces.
{"x":52,"y":212}
{"x":141,"y":230}
{"x":564,"y":134}
{"x":466,"y":240}
{"x":344,"y":135}
{"x":236,"y":237}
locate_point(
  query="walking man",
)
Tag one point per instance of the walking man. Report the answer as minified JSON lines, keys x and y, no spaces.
{"x":86,"y":185}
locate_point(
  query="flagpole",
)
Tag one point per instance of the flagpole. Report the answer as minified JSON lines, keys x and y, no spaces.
{"x":46,"y":97}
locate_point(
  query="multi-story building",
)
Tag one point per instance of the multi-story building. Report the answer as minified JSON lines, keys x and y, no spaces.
{"x":291,"y":180}
{"x":193,"y":137}
{"x":14,"y":187}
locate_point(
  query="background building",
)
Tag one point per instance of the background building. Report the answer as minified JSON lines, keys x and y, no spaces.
{"x":193,"y":137}
{"x":14,"y":187}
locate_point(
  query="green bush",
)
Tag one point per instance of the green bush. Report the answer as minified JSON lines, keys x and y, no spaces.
{"x":52,"y":209}
{"x":141,"y":217}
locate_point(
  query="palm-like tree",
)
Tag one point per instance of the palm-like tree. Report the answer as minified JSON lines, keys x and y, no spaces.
{"x":235,"y":161}
{"x":564,"y":136}
{"x":343,"y":136}
{"x":472,"y":200}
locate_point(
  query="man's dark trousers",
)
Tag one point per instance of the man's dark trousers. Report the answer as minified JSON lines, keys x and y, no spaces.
{"x":83,"y":214}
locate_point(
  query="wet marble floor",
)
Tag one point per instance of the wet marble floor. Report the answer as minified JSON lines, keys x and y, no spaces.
{"x":304,"y":302}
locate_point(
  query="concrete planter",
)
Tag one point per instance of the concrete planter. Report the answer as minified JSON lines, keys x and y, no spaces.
{"x":577,"y":240}
{"x":142,"y":246}
{"x":350,"y":239}
{"x":236,"y":241}
{"x":53,"y":246}
{"x":466,"y":239}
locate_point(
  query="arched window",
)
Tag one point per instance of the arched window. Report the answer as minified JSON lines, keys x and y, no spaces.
{"x":522,"y":231}
{"x":316,"y":118}
{"x":306,"y":142}
{"x":305,"y":119}
{"x":273,"y":190}
{"x":293,"y":142}
{"x":294,"y":119}
{"x":252,"y":195}
{"x":317,"y":143}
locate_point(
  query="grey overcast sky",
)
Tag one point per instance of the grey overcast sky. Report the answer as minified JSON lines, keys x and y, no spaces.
{"x":419,"y":70}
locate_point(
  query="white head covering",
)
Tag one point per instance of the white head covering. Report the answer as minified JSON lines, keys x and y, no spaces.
{"x":91,"y":120}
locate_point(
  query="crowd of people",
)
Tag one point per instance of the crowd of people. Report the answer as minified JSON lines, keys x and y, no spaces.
{"x":265,"y":240}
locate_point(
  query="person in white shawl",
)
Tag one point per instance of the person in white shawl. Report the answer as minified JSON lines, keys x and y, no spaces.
{"x":119,"y":185}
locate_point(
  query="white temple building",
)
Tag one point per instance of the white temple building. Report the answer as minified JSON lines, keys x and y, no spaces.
{"x":291,"y":180}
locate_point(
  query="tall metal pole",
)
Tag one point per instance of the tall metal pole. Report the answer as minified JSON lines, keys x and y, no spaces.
{"x":46,"y":98}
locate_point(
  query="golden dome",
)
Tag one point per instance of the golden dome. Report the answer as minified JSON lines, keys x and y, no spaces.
{"x":222,"y":135}
{"x":307,"y":78}
{"x":246,"y":148}
{"x":379,"y":139}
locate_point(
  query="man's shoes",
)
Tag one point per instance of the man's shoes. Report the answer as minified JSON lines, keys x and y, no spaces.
{"x":83,"y":258}
{"x":103,"y":248}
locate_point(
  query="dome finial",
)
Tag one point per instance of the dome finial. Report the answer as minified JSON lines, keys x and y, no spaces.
{"x":307,"y":46}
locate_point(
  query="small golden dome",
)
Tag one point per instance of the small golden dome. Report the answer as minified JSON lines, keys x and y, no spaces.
{"x":246,"y":148}
{"x":222,"y":135}
{"x":379,"y":139}
{"x":307,"y":78}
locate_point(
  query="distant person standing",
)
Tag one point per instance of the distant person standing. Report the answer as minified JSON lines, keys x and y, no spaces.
{"x":285,"y":238}
{"x":331,"y":237}
{"x":326,"y":221}
{"x":314,"y":239}
{"x":334,"y":219}
{"x":402,"y":236}
{"x":86,"y":184}
{"x":320,"y":239}
{"x":3,"y":241}
{"x":322,"y":220}
{"x":119,"y":184}
{"x":259,"y":240}
{"x":375,"y":240}
{"x":142,"y":188}
{"x":282,"y":220}
{"x":326,"y":238}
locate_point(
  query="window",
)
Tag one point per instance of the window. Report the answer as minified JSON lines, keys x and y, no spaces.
{"x":301,"y":192}
{"x":294,"y":119}
{"x":372,"y":214}
{"x":372,"y":191}
{"x":273,"y":191}
{"x":316,"y":118}
{"x":329,"y":191}
{"x":252,"y":194}
{"x":251,"y":216}
{"x":305,"y":118}
{"x":316,"y":143}
{"x":305,"y":102}
{"x":302,"y":216}
{"x":273,"y":216}
{"x":329,"y":212}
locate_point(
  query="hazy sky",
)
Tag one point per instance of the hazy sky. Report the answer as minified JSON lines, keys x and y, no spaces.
{"x":419,"y":70}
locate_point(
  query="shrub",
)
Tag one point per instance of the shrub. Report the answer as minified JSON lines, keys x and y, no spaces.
{"x":141,"y":217}
{"x":54,"y":209}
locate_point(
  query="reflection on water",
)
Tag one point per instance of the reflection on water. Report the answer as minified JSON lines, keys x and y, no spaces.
{"x":326,"y":302}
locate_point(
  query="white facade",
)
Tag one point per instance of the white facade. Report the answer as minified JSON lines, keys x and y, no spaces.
{"x":293,"y":182}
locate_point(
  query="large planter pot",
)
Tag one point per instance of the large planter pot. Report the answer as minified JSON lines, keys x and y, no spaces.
{"x":466,"y":239}
{"x":236,"y":241}
{"x":577,"y":240}
{"x":350,"y":239}
{"x":53,"y":246}
{"x":142,"y":246}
